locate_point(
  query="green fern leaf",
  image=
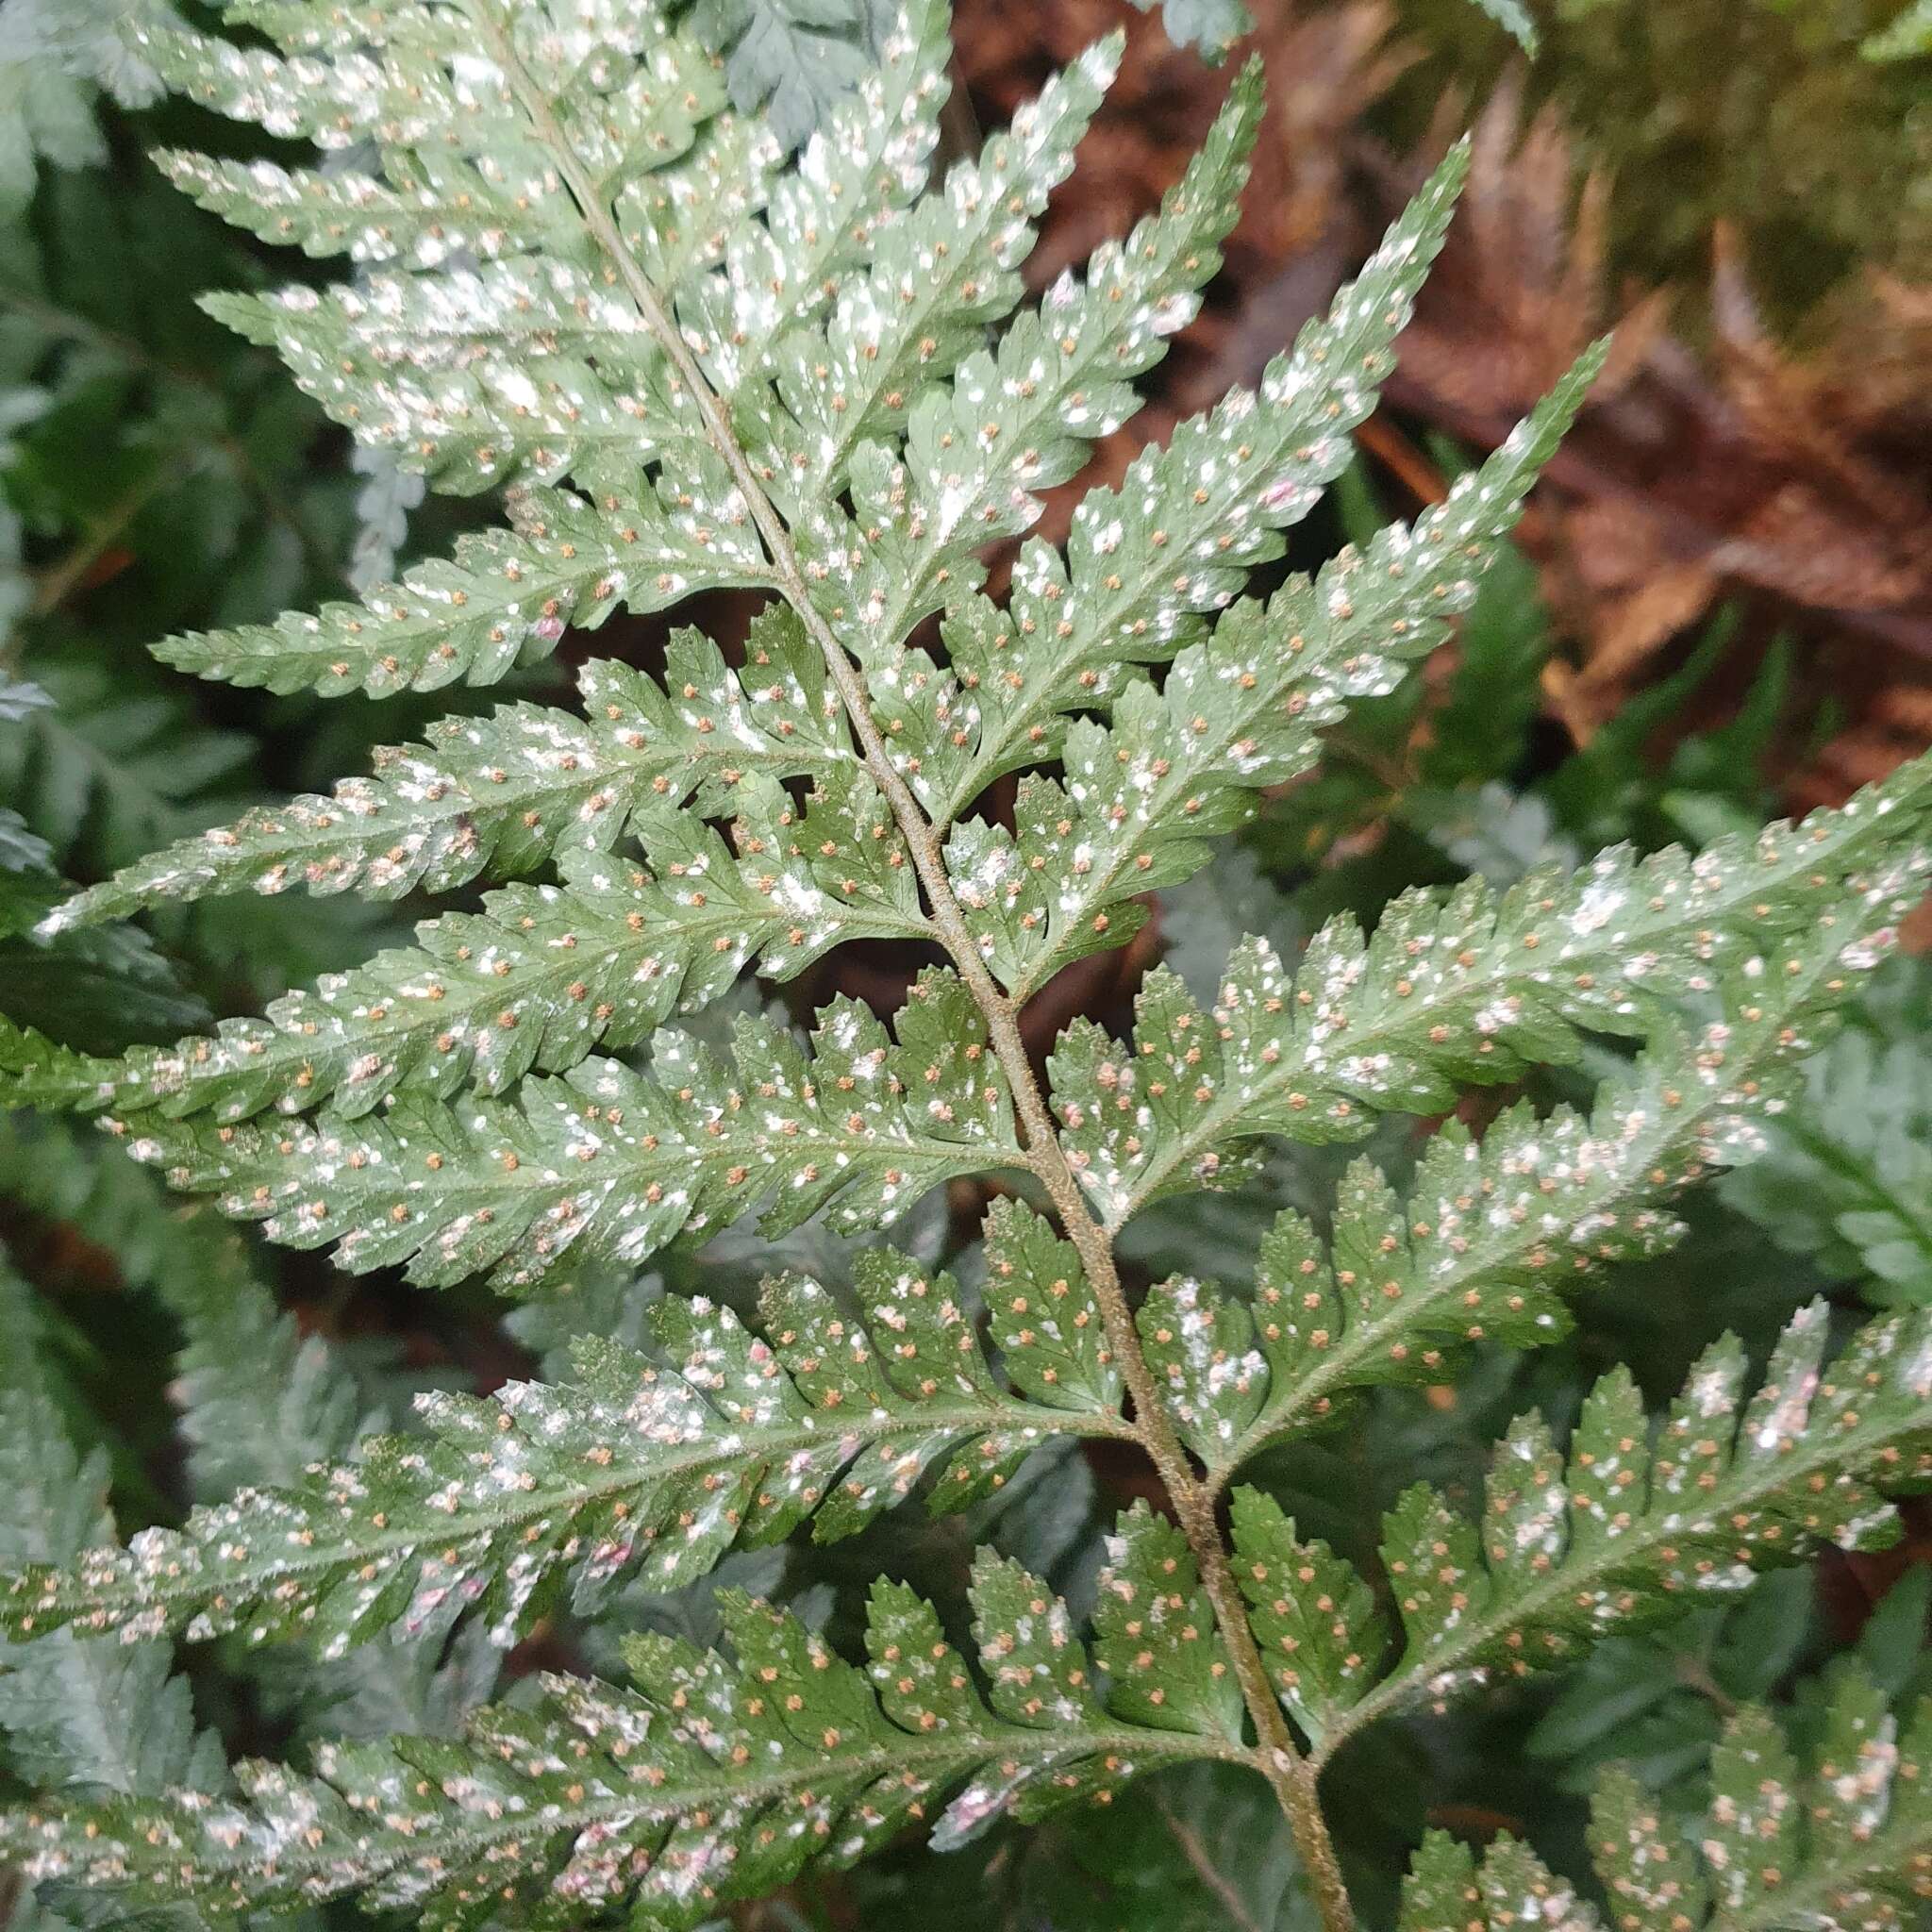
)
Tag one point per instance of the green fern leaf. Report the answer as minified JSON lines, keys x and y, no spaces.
{"x":1843,"y":1838}
{"x":262,"y":1404}
{"x":1472,"y":987}
{"x":1847,"y":1177}
{"x":92,"y":992}
{"x":1015,"y":420}
{"x":1495,"y":1235}
{"x":1515,"y":20}
{"x":714,"y":1779}
{"x":1155,"y":1638}
{"x":793,"y":59}
{"x":259,"y":1400}
{"x":1628,"y":1534}
{"x":1448,"y":1890}
{"x":605,"y":1161}
{"x":73,"y":1713}
{"x":1210,"y":25}
{"x":1322,"y":1638}
{"x":507,"y":792}
{"x":545,"y":346}
{"x":102,"y":772}
{"x":575,"y":275}
{"x":505,"y":599}
{"x":543,"y":975}
{"x":1148,"y":562}
{"x":937,"y":280}
{"x":655,"y":1463}
{"x":1237,"y":713}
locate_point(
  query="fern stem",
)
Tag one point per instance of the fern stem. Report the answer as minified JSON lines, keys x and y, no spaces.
{"x":1291,"y":1774}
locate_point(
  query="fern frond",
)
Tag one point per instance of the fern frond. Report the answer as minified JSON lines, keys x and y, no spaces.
{"x":1471,"y":987}
{"x":1210,"y":25}
{"x":433,"y":214}
{"x":261,"y":1404}
{"x":94,"y":991}
{"x":505,"y":793}
{"x":1495,"y":1233}
{"x":1841,"y":1836}
{"x":576,"y":276}
{"x":1237,"y":713}
{"x":1315,"y":1620}
{"x":105,"y":771}
{"x":504,"y":599}
{"x":1516,"y":19}
{"x":543,"y":975}
{"x":1147,"y":563}
{"x":902,"y":325}
{"x":791,"y":59}
{"x":1630,"y":1533}
{"x":1449,"y":1889}
{"x":655,"y":1464}
{"x":1013,"y":423}
{"x":714,"y":1779}
{"x":605,"y":1161}
{"x":526,"y":365}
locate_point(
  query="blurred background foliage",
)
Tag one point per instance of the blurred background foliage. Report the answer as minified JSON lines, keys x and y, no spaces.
{"x":1720,"y":611}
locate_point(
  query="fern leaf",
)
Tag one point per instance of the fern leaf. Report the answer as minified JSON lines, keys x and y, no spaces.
{"x":528,"y":371}
{"x":104,"y":772}
{"x":1515,"y":20}
{"x":1841,"y":1838}
{"x":504,"y":599}
{"x":1043,"y":1316}
{"x":543,"y":975}
{"x":1495,"y":1233}
{"x":430,"y":216}
{"x":1015,"y":419}
{"x":655,"y":1463}
{"x":1148,"y":562}
{"x":1322,"y":1639}
{"x":94,"y":991}
{"x":713,"y":1779}
{"x":519,"y":366}
{"x":576,"y":276}
{"x":1628,"y":1532}
{"x":261,"y":1404}
{"x":833,"y":212}
{"x":1156,"y":1636}
{"x":792,"y":60}
{"x":1471,"y":987}
{"x":1210,"y":25}
{"x":1449,"y":1889}
{"x":936,"y":279}
{"x":607,"y":1160}
{"x":505,"y":793}
{"x":526,"y":366}
{"x":1237,"y":713}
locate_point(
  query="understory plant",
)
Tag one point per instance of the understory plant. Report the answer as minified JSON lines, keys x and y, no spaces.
{"x":692,"y":365}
